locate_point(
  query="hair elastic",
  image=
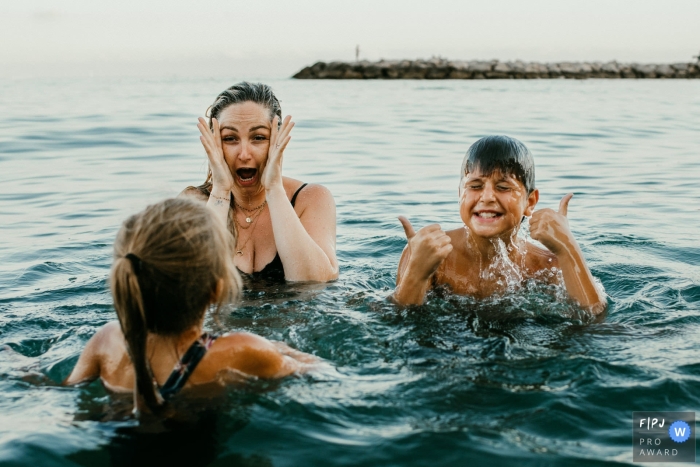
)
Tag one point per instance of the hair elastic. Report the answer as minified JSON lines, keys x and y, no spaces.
{"x":136,"y":262}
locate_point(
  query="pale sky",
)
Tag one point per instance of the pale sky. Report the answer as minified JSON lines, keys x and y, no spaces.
{"x":275,"y":38}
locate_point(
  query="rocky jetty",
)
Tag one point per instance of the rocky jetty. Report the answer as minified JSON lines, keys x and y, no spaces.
{"x":439,"y":68}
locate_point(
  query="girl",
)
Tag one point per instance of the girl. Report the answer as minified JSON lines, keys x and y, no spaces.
{"x":169,"y":266}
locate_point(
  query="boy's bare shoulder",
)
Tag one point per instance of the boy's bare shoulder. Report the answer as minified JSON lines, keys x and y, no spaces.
{"x":456,"y":235}
{"x":538,"y":258}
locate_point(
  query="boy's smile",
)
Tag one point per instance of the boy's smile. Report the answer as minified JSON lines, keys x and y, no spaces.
{"x":493,"y":205}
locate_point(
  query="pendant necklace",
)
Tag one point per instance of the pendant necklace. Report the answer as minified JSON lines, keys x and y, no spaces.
{"x":249,"y":219}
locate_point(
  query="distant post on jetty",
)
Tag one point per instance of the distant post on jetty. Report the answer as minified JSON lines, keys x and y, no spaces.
{"x":357,"y":53}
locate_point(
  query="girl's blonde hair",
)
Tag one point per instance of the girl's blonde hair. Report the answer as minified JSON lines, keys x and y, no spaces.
{"x":171,"y":261}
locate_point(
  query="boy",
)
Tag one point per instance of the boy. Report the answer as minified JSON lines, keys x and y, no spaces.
{"x":497,"y":191}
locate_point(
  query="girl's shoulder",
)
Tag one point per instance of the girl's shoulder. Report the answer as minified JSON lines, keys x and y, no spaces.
{"x":242,"y":352}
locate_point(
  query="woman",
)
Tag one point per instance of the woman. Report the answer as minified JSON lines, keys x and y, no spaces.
{"x":167,"y":270}
{"x":284,"y":227}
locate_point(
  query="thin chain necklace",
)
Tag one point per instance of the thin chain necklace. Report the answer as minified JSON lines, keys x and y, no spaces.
{"x":250,"y":209}
{"x":239,"y":251}
{"x":249,"y":218}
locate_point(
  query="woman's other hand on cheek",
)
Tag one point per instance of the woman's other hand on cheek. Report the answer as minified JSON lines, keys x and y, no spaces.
{"x":551,"y":228}
{"x":272,"y":173}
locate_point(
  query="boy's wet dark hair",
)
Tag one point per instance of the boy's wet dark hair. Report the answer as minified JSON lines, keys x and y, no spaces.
{"x":503,"y":154}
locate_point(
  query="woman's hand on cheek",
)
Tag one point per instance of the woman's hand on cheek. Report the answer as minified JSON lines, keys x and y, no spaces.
{"x":272,"y":173}
{"x":222,"y":179}
{"x":428,"y":248}
{"x":551,"y":228}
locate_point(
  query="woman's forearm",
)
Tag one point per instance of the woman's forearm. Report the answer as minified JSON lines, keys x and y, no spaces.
{"x":219,"y":202}
{"x":302,"y":257}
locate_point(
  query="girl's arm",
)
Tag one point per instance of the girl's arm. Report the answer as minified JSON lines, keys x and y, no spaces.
{"x":88,"y":366}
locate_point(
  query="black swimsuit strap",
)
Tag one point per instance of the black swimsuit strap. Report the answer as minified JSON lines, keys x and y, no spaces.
{"x":185,"y":367}
{"x":294,"y":196}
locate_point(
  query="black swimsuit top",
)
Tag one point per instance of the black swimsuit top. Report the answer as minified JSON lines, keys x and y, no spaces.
{"x":274,"y":270}
{"x":185,"y":367}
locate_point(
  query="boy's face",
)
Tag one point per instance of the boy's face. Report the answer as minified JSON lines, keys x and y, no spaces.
{"x":493,"y":206}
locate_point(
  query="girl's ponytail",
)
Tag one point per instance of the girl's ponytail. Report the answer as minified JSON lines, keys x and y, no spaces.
{"x":128,"y":302}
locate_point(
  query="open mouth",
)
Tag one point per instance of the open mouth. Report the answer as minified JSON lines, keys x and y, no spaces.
{"x":246,"y":175}
{"x":488,"y":215}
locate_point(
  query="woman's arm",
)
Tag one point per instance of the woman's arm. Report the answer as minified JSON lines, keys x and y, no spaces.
{"x":305,"y":243}
{"x":222,"y":180}
{"x":551,"y":228}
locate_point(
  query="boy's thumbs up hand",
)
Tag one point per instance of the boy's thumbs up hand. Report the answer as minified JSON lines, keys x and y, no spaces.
{"x":551,"y":228}
{"x":564,"y":204}
{"x":407,"y":227}
{"x":427,"y":248}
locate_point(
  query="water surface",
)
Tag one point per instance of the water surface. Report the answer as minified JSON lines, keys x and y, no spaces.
{"x":519,"y":379}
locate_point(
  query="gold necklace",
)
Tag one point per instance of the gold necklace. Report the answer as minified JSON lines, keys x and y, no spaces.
{"x":239,"y":251}
{"x":249,"y":218}
{"x":249,"y":209}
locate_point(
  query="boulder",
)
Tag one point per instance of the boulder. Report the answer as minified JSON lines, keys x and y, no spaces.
{"x":371,"y":72}
{"x":416,"y":70}
{"x":664,"y":71}
{"x":553,"y":70}
{"x":304,"y":73}
{"x":459,"y":70}
{"x":644,"y":71}
{"x":500,"y":71}
{"x":479,"y":67}
{"x":437,"y":71}
{"x":610,"y":70}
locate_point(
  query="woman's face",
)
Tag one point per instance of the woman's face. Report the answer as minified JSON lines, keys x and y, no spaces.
{"x":245,"y":137}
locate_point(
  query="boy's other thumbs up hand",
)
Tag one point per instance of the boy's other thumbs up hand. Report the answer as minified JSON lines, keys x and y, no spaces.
{"x":407,"y":227}
{"x":428,"y":248}
{"x":551,"y":228}
{"x":564,"y":204}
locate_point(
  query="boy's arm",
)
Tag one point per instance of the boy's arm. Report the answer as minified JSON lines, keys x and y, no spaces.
{"x":551,"y":228}
{"x":423,"y":254}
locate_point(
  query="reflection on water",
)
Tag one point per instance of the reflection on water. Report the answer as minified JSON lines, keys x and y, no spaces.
{"x":524,"y":377}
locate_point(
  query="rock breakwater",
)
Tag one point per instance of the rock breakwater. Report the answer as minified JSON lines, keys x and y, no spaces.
{"x":446,"y":69}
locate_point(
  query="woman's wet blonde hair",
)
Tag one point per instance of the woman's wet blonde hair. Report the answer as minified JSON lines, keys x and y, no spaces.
{"x":171,"y":261}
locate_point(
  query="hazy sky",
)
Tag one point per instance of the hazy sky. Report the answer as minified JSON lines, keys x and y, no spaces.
{"x":276,"y":38}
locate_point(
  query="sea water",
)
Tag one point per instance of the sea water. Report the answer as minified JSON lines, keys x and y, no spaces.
{"x":521,"y":378}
